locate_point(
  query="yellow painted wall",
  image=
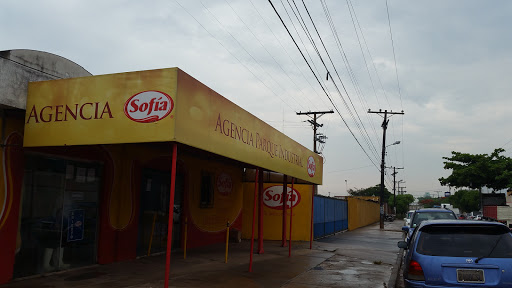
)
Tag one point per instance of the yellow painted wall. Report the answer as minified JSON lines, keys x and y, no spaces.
{"x":122,"y":201}
{"x":272,"y":218}
{"x":362,"y":213}
{"x":227,"y":204}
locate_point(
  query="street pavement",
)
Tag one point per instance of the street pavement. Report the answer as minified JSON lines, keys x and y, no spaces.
{"x":365,"y":257}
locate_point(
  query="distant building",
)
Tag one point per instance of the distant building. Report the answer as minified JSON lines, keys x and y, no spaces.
{"x":415,"y":206}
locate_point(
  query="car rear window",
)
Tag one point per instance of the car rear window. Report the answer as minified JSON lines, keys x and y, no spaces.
{"x":423,"y":216}
{"x":465,"y":241}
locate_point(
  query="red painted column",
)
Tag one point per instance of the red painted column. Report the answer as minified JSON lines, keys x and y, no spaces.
{"x":260,"y":214}
{"x":291,"y":217}
{"x":253,"y":216}
{"x":285,"y":202}
{"x":171,"y":214}
{"x":312,"y":217}
{"x":13,"y":164}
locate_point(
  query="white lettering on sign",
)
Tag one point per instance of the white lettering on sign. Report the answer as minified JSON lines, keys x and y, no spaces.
{"x":273,"y":197}
{"x":148,"y":106}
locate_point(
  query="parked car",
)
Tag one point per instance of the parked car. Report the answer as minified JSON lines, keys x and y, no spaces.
{"x":407,"y":219}
{"x":458,"y":253}
{"x":427,"y":214}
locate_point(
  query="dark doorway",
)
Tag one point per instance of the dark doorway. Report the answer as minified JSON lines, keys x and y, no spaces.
{"x":154,"y":212}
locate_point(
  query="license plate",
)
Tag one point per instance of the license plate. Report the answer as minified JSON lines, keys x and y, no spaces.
{"x":470,"y":276}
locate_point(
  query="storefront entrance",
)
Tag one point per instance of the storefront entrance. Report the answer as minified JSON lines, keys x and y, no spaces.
{"x":59,"y":212}
{"x":154,"y":212}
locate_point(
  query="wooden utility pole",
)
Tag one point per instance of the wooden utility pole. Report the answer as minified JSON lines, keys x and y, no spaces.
{"x":394,"y":186}
{"x":382,"y":165}
{"x":315,"y":125}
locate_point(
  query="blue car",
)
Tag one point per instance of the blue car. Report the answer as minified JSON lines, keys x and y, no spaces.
{"x":427,"y":214}
{"x":458,"y":253}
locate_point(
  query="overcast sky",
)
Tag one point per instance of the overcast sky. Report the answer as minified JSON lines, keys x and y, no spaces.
{"x":451,"y":76}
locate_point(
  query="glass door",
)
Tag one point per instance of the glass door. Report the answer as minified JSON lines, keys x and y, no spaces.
{"x":58,"y":215}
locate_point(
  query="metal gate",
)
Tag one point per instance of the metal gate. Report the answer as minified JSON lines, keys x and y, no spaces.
{"x":330,"y":216}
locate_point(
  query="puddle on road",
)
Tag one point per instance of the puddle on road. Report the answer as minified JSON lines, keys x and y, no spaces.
{"x":348,"y":271}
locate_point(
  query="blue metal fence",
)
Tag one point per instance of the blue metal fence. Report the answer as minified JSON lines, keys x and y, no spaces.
{"x":330,"y":216}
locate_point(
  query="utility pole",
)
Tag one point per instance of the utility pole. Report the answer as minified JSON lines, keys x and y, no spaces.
{"x":394,"y":186}
{"x":400,"y":189}
{"x":382,"y":165}
{"x":320,"y":138}
{"x":315,"y":124}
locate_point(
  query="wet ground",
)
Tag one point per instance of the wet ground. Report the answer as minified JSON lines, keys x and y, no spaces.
{"x":361,"y":258}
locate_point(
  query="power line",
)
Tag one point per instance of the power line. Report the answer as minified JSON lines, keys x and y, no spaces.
{"x":346,"y":124}
{"x":350,"y":71}
{"x":286,"y":51}
{"x":360,"y":127}
{"x":394,"y":55}
{"x":252,"y":57}
{"x":308,"y":34}
{"x":29,"y":67}
{"x":369,"y":53}
{"x":273,"y":58}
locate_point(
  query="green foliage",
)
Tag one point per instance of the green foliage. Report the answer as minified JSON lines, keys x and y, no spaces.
{"x":479,"y":170}
{"x":371,"y":191}
{"x":402,"y":202}
{"x":466,"y":200}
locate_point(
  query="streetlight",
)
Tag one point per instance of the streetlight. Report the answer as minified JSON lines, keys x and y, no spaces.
{"x":396,"y":142}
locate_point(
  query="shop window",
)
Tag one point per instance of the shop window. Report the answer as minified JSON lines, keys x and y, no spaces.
{"x":206,"y":190}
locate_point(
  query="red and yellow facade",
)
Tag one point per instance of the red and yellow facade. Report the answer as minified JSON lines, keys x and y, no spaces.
{"x":129,"y":122}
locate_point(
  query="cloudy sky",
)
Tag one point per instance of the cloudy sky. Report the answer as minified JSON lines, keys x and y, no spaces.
{"x":449,"y":70}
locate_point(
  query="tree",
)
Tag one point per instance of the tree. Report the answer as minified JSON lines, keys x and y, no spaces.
{"x":402,"y":202}
{"x":427,"y":202}
{"x":479,"y":170}
{"x":371,"y":191}
{"x":466,"y":200}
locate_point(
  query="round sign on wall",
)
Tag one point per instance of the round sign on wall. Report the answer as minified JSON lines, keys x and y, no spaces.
{"x":224,"y":184}
{"x":311,"y":166}
{"x":148,"y":106}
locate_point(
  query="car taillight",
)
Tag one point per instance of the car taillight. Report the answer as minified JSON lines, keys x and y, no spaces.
{"x":415,"y":271}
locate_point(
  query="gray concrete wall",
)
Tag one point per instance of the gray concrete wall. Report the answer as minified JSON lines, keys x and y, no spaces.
{"x":18,"y":67}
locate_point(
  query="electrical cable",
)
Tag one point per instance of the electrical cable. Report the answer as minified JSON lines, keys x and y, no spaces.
{"x":346,"y":124}
{"x":273,"y":58}
{"x":286,"y":51}
{"x":351,"y":74}
{"x":361,"y":127}
{"x":222,"y":26}
{"x":394,"y":55}
{"x":308,"y":34}
{"x":32,"y":68}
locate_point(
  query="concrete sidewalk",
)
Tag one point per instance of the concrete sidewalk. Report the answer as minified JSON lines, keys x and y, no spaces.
{"x":361,"y":258}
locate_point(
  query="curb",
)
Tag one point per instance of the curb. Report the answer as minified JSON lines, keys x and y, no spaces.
{"x":396,"y":269}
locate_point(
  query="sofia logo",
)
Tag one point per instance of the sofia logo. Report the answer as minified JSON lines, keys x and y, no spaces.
{"x":273,"y":197}
{"x":148,"y":106}
{"x":224,"y":184}
{"x":311,"y":166}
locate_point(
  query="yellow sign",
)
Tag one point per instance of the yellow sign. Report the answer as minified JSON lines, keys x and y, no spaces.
{"x":300,"y":198}
{"x":159,"y":106}
{"x":208,"y":121}
{"x":107,"y":109}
